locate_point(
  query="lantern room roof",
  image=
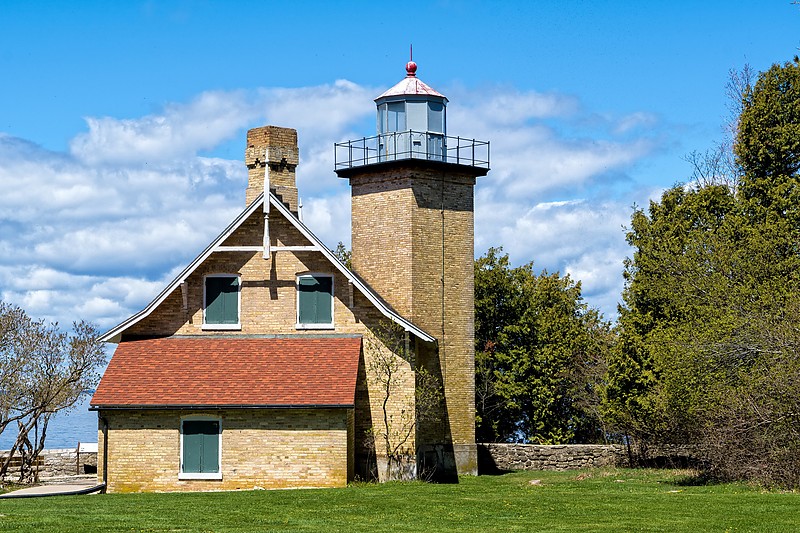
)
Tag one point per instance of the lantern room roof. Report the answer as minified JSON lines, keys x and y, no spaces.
{"x":411,"y":85}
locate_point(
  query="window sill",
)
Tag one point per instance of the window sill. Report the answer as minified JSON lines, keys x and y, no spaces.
{"x":228,"y":327}
{"x":200,"y":475}
{"x":313,"y":326}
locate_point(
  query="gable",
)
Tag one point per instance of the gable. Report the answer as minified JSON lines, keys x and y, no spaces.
{"x":250,"y":233}
{"x":239,"y":241}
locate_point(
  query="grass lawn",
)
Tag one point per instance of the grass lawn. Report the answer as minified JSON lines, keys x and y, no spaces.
{"x":595,"y":500}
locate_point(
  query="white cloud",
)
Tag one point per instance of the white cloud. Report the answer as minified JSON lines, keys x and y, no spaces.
{"x":509,"y":107}
{"x":96,"y":232}
{"x":58,"y":296}
{"x":634,"y":121}
{"x":545,"y":163}
{"x":322,"y":112}
{"x":180,"y":131}
{"x":329,"y":218}
{"x":546,"y":144}
{"x":575,"y":237}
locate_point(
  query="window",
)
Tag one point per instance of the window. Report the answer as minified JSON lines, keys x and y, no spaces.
{"x":221,"y":302}
{"x":201,"y":448}
{"x":315,"y":301}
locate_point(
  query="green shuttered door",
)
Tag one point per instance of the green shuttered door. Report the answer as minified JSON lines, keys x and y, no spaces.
{"x":316,"y":300}
{"x":200,"y":446}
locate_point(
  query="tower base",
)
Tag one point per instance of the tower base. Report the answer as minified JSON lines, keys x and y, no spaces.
{"x":443,"y":463}
{"x":466,"y":456}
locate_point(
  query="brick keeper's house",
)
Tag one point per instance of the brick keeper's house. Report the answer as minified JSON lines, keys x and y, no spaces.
{"x":251,"y":369}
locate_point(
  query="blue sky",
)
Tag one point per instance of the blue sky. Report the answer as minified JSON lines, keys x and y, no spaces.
{"x":122,"y":124}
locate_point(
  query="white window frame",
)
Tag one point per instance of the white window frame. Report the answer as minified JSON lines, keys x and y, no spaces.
{"x":300,"y":325}
{"x":201,"y":475}
{"x":238,"y":325}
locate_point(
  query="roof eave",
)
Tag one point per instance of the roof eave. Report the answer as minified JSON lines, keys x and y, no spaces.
{"x":192,"y":407}
{"x":114,"y":335}
{"x":411,"y":86}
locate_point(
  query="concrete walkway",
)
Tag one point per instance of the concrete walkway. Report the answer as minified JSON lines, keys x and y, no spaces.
{"x":54,"y":488}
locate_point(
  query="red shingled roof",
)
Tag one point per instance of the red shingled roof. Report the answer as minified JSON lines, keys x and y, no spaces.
{"x":255,"y":372}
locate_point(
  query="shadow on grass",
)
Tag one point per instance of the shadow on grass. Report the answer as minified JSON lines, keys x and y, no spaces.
{"x":697,"y":473}
{"x":699,"y":479}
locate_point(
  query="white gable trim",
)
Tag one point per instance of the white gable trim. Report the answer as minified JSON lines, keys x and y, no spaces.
{"x":114,"y":334}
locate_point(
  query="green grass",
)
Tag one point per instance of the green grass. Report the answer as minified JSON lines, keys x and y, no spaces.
{"x":597,"y":500}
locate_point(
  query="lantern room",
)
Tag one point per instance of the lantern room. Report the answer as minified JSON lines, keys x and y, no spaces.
{"x":412,"y":119}
{"x":411,"y":124}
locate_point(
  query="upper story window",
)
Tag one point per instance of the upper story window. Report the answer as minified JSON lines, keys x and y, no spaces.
{"x":221,"y":302}
{"x":201,"y":448}
{"x":315,"y":301}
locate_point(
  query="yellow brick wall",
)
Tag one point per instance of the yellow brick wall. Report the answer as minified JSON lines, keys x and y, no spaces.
{"x":268,"y":291}
{"x":382,"y":252}
{"x":267,"y":448}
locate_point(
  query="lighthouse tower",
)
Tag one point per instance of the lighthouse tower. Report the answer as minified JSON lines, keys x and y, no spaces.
{"x":412,"y":192}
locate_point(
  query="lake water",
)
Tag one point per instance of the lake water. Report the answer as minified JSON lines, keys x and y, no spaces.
{"x":64,"y":430}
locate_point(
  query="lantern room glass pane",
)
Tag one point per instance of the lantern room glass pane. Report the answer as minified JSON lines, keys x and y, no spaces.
{"x":382,"y":118}
{"x":396,"y":116}
{"x":436,"y":117}
{"x":417,"y":116}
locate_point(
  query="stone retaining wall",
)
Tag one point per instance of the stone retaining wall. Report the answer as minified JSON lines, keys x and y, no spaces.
{"x":497,"y":457}
{"x":67,"y":462}
{"x":492,"y":458}
{"x":60,"y":462}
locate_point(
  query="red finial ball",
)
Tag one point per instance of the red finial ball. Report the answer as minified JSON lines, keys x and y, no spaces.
{"x":411,"y":69}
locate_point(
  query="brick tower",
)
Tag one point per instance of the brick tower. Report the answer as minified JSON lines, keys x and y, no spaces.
{"x":412,"y":191}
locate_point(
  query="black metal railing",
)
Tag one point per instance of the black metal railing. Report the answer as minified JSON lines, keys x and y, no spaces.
{"x":410,"y":144}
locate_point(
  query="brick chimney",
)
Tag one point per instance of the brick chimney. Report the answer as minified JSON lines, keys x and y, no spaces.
{"x":273,"y":149}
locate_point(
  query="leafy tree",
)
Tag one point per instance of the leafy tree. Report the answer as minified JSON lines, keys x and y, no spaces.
{"x":343,"y":254}
{"x":712,"y":299}
{"x":539,"y":355}
{"x":768,"y":143}
{"x":677,"y":276}
{"x":498,"y":303}
{"x":43,"y":370}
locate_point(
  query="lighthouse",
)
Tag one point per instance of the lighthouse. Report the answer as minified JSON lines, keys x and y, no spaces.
{"x":412,"y":199}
